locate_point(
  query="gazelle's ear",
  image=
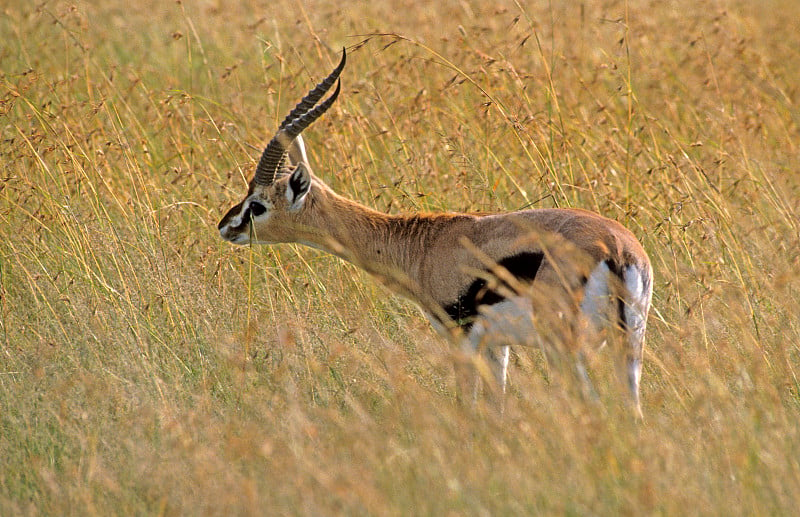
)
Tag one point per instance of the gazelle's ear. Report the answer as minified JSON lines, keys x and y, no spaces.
{"x":297,"y":151}
{"x":298,"y":186}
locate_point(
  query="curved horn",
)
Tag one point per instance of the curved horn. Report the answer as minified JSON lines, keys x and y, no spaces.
{"x":299,"y":124}
{"x":316,"y":94}
{"x":298,"y":119}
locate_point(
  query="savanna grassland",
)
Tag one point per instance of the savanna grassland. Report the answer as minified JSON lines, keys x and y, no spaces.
{"x":148,"y":367}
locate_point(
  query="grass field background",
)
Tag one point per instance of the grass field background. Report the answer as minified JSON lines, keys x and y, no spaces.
{"x":147,"y":367}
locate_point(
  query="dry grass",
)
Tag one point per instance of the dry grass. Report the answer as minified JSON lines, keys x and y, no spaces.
{"x":146,"y":367}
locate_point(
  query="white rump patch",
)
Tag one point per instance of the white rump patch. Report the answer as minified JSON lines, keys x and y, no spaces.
{"x":597,"y":296}
{"x":636,"y":305}
{"x":599,"y":302}
{"x":636,"y":308}
{"x":639,"y":296}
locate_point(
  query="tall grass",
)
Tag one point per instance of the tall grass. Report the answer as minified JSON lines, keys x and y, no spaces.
{"x":147,"y":367}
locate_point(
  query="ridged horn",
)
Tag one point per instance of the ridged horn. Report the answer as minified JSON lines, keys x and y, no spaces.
{"x":302,"y":116}
{"x":316,"y":94}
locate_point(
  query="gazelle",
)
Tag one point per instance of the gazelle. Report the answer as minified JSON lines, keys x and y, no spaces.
{"x":551,"y":277}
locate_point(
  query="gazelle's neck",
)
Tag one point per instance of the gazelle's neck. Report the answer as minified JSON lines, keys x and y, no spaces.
{"x":369,"y":239}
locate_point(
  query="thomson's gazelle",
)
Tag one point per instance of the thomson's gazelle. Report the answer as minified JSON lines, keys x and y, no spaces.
{"x":557,"y":278}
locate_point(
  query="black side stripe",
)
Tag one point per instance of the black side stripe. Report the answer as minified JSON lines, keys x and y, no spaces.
{"x":523,"y":266}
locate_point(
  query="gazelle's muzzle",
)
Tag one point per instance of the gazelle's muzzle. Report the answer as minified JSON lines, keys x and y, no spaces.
{"x":233,"y":227}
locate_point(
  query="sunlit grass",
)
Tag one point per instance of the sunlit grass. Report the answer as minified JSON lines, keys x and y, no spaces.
{"x":148,"y":367}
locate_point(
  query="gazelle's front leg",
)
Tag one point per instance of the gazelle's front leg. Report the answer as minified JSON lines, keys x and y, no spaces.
{"x":498,"y":357}
{"x":479,"y":341}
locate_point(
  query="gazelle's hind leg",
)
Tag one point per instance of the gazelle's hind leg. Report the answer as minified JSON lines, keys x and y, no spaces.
{"x":620,"y":299}
{"x":634,"y":322}
{"x":498,"y":357}
{"x":595,"y":315}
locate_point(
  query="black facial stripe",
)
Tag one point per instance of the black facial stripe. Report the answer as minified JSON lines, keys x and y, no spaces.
{"x":244,"y":222}
{"x":523,"y":267}
{"x":229,"y":216}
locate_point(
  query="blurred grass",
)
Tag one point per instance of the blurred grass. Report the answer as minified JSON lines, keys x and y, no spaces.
{"x":148,"y":367}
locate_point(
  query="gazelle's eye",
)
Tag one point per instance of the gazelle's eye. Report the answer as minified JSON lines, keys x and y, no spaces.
{"x":257,"y":208}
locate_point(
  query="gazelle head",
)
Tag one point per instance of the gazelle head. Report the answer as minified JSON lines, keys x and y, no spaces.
{"x":278,"y":191}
